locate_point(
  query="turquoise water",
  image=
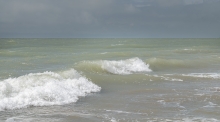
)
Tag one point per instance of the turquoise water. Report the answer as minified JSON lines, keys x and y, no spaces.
{"x":109,"y":80}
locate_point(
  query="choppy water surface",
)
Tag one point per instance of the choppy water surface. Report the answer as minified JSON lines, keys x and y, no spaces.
{"x":110,"y":80}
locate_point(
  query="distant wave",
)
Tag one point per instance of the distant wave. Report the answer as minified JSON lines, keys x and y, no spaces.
{"x":121,"y":67}
{"x":203,"y":75}
{"x":44,"y":89}
{"x":191,"y":76}
{"x":164,"y":64}
{"x":193,"y":50}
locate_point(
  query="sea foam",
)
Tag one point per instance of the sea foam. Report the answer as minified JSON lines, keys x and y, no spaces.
{"x":44,"y":89}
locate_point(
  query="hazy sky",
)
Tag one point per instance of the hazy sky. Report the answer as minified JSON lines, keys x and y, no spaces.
{"x":110,"y":18}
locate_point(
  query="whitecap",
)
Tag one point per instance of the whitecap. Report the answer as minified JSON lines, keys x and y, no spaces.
{"x":125,"y":67}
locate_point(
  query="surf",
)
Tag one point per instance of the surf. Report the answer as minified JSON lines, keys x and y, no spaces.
{"x":44,"y":89}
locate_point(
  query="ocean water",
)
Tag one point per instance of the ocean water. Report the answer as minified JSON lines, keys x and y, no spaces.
{"x":109,"y":80}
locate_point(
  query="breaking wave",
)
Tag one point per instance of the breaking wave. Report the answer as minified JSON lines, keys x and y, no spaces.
{"x":44,"y":89}
{"x":121,"y":67}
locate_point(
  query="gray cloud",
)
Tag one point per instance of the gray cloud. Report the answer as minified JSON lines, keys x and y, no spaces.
{"x":109,"y":18}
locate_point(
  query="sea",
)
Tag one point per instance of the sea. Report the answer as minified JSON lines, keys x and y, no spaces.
{"x":109,"y":80}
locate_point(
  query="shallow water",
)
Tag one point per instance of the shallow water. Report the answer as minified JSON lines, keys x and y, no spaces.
{"x":116,"y":80}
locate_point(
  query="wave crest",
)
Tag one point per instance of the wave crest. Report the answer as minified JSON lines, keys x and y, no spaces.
{"x":121,"y":67}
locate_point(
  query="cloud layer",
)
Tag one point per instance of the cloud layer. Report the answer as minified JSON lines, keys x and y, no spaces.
{"x":110,"y":18}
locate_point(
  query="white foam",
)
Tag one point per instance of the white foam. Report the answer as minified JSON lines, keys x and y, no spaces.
{"x":125,"y":112}
{"x":180,"y":119}
{"x":104,"y":53}
{"x":167,"y":78}
{"x":188,"y":49}
{"x":170,"y":104}
{"x":198,"y":119}
{"x":211,"y":105}
{"x":116,"y":44}
{"x":44,"y":89}
{"x":10,"y":120}
{"x":170,"y":79}
{"x":203,"y":75}
{"x":120,"y":67}
{"x":125,"y":67}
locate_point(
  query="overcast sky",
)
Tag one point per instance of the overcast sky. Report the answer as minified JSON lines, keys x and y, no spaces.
{"x":109,"y":18}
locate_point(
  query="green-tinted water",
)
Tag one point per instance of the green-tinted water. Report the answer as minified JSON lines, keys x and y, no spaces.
{"x":141,"y":79}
